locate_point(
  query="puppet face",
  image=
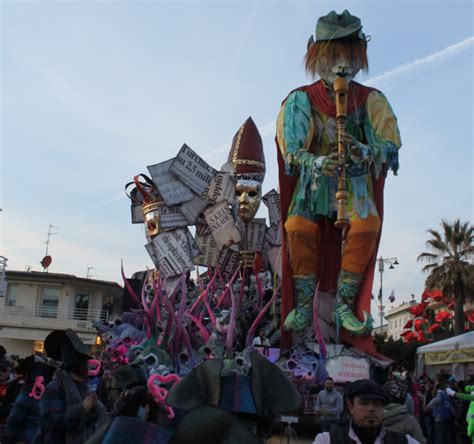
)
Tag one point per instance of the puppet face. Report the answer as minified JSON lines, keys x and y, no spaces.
{"x":330,"y":66}
{"x":249,"y":196}
{"x":152,"y":224}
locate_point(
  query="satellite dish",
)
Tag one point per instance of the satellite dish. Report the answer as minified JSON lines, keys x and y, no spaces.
{"x":46,"y":262}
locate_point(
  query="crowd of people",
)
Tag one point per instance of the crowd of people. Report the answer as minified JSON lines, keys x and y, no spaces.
{"x":44,"y":400}
{"x":425,"y":409}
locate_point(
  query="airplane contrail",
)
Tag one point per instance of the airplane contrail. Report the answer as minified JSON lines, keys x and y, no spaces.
{"x":412,"y":68}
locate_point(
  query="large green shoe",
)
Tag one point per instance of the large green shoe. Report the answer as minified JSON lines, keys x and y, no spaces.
{"x":347,"y":289}
{"x":301,"y":316}
{"x":351,"y":323}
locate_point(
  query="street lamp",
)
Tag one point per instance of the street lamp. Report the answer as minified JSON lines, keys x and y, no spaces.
{"x":392,"y":261}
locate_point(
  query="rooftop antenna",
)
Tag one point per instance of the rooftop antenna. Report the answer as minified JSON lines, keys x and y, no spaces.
{"x":46,"y":262}
{"x":89,"y":275}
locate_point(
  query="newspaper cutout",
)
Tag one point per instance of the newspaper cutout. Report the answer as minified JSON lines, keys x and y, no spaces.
{"x":171,"y":283}
{"x":137,"y":214}
{"x":173,"y":252}
{"x":192,"y":170}
{"x":202,"y":229}
{"x":272,"y":201}
{"x":192,"y":209}
{"x":228,"y":262}
{"x":255,"y":234}
{"x":274,"y":257}
{"x":222,"y":188}
{"x":222,"y":224}
{"x":209,"y":251}
{"x":193,"y":246}
{"x":171,"y":217}
{"x":164,"y":267}
{"x":171,"y":189}
{"x":274,"y":235}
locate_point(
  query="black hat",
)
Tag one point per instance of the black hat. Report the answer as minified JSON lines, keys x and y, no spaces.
{"x":367,"y":390}
{"x":127,"y":376}
{"x":26,"y":366}
{"x":66,"y":346}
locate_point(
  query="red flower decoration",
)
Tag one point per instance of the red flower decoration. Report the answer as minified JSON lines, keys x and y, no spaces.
{"x":436,"y":295}
{"x":470,"y":317}
{"x":409,"y":324}
{"x":433,"y":328}
{"x":443,"y":316}
{"x":419,"y":324}
{"x":418,"y":309}
{"x":406,"y":332}
{"x":410,"y":337}
{"x":421,"y":336}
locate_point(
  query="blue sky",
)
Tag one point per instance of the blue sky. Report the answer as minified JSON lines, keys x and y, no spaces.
{"x":93,"y":92}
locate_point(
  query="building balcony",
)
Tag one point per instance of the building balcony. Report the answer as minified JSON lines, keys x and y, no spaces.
{"x":51,"y":317}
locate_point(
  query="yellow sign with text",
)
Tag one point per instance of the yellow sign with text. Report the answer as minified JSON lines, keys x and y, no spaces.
{"x":449,"y":357}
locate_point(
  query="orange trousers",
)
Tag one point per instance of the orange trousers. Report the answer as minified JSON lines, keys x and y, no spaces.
{"x":303,"y":244}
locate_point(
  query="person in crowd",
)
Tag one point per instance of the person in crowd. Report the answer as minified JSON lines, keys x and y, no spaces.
{"x":329,"y":405}
{"x":365,"y":400}
{"x":5,"y":380}
{"x":430,"y":393}
{"x":261,"y":340}
{"x":135,"y":414}
{"x":396,"y":416}
{"x":69,"y":410}
{"x":23,"y":422}
{"x":461,"y":407}
{"x":443,"y":413}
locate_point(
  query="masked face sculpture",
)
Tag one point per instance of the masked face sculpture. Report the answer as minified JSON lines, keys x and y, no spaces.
{"x":249,"y":196}
{"x":152,"y":219}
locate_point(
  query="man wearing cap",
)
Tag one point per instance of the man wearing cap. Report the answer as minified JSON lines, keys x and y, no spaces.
{"x":365,"y":400}
{"x":308,"y":167}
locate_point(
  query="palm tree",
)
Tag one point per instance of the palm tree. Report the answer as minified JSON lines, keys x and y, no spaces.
{"x":450,"y":265}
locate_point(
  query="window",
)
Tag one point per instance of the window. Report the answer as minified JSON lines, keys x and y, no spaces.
{"x":49,"y":303}
{"x":12,"y":293}
{"x":81,"y":306}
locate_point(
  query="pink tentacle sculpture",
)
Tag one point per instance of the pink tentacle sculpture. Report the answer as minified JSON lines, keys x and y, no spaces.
{"x":160,"y":393}
{"x":38,"y":388}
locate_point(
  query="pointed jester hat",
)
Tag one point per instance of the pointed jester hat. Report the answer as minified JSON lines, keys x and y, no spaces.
{"x":246,"y":153}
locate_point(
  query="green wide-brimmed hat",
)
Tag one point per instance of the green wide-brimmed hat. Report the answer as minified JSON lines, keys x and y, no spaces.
{"x":337,"y":26}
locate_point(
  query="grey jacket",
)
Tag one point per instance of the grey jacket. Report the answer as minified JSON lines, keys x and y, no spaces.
{"x":397,"y":419}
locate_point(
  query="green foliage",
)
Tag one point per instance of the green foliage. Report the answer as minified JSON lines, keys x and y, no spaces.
{"x":403,"y":354}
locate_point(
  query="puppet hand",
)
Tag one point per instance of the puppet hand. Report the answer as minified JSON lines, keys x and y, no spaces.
{"x":328,"y":165}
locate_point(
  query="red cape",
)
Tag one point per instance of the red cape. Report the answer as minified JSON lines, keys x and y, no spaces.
{"x":330,"y":246}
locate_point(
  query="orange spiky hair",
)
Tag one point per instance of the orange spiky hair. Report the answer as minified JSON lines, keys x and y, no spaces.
{"x":353,"y":50}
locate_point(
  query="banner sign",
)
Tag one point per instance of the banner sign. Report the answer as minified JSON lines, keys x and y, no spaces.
{"x":171,"y":189}
{"x":192,"y":170}
{"x":348,"y":369}
{"x":450,"y":357}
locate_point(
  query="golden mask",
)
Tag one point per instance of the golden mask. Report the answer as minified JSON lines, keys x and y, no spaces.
{"x":249,"y":196}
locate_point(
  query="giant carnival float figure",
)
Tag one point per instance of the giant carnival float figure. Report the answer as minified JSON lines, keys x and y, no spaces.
{"x":336,"y":141}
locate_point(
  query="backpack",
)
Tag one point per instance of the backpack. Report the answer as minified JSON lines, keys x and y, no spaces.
{"x":446,"y":409}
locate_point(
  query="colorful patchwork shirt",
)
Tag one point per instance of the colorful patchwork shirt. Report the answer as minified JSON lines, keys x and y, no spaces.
{"x":306,"y":136}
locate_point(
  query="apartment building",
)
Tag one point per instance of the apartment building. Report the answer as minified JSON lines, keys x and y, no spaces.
{"x":35,"y":303}
{"x":397,"y":318}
